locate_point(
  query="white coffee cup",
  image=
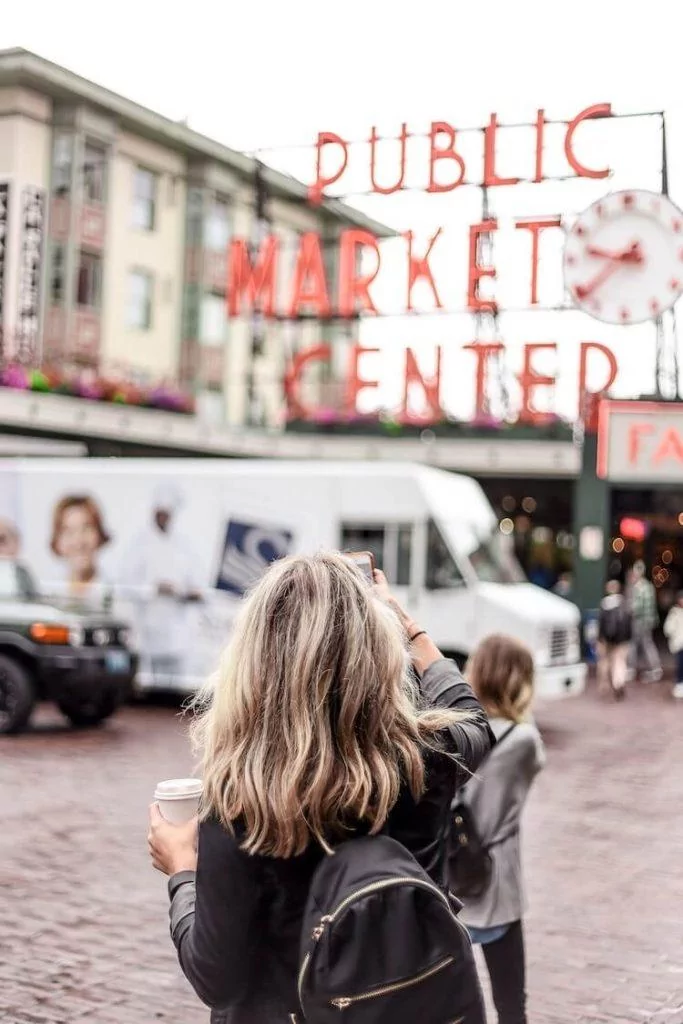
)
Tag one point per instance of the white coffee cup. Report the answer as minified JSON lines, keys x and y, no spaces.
{"x":178,"y":799}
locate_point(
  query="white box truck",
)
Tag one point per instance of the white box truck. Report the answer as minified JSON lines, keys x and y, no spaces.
{"x":172,"y":546}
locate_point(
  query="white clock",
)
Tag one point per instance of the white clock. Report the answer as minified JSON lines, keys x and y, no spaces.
{"x":623,"y":257}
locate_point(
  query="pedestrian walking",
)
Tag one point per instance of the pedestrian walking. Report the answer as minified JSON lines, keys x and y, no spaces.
{"x":501,"y":673}
{"x":643,"y":600}
{"x":673,"y":631}
{"x":324,"y":762}
{"x":615,"y":630}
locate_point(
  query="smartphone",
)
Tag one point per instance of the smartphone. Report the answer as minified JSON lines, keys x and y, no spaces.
{"x":365,"y":560}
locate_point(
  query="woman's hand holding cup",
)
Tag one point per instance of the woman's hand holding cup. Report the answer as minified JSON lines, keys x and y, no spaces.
{"x":173,"y":848}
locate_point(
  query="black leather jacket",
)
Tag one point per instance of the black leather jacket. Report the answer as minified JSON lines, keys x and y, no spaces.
{"x":236,"y":922}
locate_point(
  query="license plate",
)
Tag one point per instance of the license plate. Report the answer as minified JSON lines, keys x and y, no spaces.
{"x":117,"y":662}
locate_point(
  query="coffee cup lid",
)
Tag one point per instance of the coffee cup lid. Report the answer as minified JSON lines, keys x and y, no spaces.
{"x":176,"y":789}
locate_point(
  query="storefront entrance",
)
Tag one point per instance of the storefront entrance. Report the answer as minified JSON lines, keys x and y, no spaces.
{"x":647,"y":524}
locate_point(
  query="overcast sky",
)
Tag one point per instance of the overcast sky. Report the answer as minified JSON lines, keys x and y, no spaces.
{"x":272,"y":75}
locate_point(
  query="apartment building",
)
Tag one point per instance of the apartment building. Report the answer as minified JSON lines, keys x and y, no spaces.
{"x":114,"y":225}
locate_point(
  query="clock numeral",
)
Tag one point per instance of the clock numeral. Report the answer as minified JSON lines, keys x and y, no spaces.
{"x":674,"y":284}
{"x":625,"y":314}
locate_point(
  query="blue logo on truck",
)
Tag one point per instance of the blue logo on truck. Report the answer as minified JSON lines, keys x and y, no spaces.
{"x":248,"y":551}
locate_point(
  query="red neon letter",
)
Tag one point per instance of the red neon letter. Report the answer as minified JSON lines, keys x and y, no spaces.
{"x":352,"y":286}
{"x":315,"y":192}
{"x":599,"y":110}
{"x":540,"y":130}
{"x":490,"y":176}
{"x":586,"y":347}
{"x":310,"y":287}
{"x":635,"y":433}
{"x":243,"y":277}
{"x":374,"y":139}
{"x":671,"y":446}
{"x":431,"y":387}
{"x":448,"y":152}
{"x":476,"y":271}
{"x":356,"y":383}
{"x":530,"y":380}
{"x":535,"y":227}
{"x":418,"y":266}
{"x":292,"y":382}
{"x":482,"y":351}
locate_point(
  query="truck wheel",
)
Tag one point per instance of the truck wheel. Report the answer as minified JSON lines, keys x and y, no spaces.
{"x":17,"y":696}
{"x":90,"y":712}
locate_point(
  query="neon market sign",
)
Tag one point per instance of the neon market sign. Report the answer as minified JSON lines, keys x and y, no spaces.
{"x":253,"y":273}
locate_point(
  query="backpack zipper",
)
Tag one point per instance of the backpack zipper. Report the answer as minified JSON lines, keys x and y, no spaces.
{"x":367,"y":890}
{"x":344,"y":1002}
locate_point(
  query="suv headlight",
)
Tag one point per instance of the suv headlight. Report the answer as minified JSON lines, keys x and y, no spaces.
{"x":77,"y":636}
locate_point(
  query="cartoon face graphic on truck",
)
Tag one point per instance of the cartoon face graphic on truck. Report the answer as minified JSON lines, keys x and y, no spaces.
{"x":247,"y":552}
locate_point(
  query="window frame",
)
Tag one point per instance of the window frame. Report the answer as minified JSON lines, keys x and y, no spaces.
{"x":57,"y":249}
{"x":215,"y":202}
{"x":142,"y":274}
{"x":96,"y":261}
{"x":203,"y":338}
{"x":145,"y":173}
{"x":101,"y":149}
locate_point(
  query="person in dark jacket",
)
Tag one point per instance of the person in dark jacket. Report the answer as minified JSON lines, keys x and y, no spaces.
{"x":615,"y":626}
{"x":316,"y":729}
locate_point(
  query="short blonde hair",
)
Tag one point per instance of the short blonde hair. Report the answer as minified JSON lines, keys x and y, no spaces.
{"x":501,"y":673}
{"x":313,"y":723}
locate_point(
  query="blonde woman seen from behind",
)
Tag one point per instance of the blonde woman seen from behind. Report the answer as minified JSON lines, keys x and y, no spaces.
{"x":316,"y":732}
{"x":501,"y":673}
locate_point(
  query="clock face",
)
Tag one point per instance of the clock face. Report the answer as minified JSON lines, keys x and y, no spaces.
{"x":623,"y":258}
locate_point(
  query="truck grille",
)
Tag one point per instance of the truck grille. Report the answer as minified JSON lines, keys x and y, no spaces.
{"x":559,"y":645}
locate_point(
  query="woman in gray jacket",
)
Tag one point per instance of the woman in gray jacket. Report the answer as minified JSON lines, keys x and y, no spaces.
{"x":501,"y":674}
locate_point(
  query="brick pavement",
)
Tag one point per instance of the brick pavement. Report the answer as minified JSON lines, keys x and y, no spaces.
{"x":83,"y":931}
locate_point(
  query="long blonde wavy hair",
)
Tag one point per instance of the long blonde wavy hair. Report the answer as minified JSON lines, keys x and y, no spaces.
{"x":313,"y":722}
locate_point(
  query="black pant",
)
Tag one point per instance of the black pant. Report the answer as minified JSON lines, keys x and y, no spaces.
{"x":505,"y":963}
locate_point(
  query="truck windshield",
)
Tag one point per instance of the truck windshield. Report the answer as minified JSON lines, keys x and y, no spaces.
{"x":494,"y":561}
{"x":16,"y":582}
{"x":487,"y":550}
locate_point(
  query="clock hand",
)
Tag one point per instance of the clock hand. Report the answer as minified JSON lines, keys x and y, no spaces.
{"x":631,"y":254}
{"x":582,"y":291}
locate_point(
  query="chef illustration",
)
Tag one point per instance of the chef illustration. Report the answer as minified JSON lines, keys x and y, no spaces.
{"x":162,"y":581}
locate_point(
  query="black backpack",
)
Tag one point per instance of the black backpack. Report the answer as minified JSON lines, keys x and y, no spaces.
{"x":381,"y":943}
{"x":616,"y":624}
{"x":469,"y":859}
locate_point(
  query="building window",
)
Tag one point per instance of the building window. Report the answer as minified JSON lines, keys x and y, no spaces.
{"x":57,"y":275}
{"x":144,"y":199}
{"x":62,"y":163}
{"x":212,"y":320}
{"x":89,"y":280}
{"x":217,"y":225}
{"x":140,"y":299}
{"x":94,"y":173}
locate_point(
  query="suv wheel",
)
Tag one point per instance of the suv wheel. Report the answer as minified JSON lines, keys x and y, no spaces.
{"x":90,"y":712}
{"x":17,"y":696}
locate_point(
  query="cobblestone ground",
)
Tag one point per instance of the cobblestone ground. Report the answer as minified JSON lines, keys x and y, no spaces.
{"x":83,"y":932}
